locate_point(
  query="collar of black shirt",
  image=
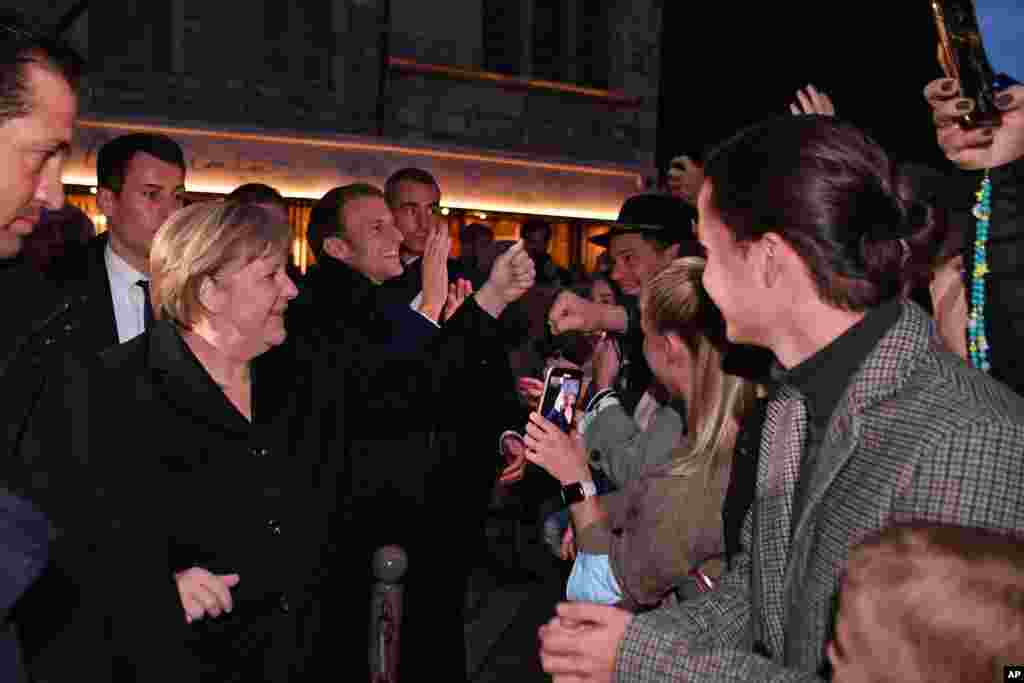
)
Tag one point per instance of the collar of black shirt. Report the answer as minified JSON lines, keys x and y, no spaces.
{"x":825,"y":376}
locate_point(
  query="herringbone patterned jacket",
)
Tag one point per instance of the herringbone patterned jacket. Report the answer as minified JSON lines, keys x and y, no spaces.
{"x":918,"y":435}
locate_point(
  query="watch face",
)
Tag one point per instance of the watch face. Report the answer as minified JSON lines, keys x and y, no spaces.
{"x":573,"y":493}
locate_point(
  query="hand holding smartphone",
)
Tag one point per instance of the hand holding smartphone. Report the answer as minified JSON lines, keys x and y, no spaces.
{"x":562,"y":388}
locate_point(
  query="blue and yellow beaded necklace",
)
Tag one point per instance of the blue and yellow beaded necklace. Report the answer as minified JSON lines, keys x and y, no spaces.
{"x":977,"y":343}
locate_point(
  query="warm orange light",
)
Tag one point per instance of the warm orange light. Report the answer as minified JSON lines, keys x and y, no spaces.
{"x":480,"y":206}
{"x":361,"y":147}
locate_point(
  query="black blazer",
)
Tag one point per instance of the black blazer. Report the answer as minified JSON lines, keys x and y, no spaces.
{"x":200,"y":485}
{"x":82,"y":272}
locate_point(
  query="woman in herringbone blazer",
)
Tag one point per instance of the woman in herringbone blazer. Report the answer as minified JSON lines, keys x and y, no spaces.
{"x":807,"y":233}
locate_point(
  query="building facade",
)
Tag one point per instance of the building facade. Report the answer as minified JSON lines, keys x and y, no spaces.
{"x":523,"y":107}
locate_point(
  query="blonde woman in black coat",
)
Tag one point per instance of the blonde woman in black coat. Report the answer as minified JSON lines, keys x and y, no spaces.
{"x":223,"y":431}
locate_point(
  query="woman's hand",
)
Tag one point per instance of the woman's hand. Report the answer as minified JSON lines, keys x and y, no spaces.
{"x":606,"y":363}
{"x":561,"y":456}
{"x":203,"y":593}
{"x":979,"y":147}
{"x":435,"y":273}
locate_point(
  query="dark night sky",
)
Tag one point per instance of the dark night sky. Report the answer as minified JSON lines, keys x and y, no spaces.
{"x":730,"y":64}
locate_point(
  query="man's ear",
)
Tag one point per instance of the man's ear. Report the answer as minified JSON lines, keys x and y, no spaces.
{"x":335,"y":247}
{"x":770,"y":255}
{"x":106,"y":200}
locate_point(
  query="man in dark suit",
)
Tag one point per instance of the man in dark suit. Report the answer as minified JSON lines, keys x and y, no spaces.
{"x":417,"y":477}
{"x":38,"y":105}
{"x":141,"y":179}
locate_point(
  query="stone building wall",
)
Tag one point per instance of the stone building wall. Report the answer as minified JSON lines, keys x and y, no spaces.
{"x":319,"y":66}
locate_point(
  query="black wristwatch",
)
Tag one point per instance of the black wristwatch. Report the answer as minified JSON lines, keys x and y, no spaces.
{"x":578,"y":491}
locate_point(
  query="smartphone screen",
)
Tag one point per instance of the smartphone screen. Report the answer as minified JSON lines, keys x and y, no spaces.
{"x":561,"y":394}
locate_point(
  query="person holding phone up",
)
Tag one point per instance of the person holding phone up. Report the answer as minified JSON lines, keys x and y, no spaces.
{"x":638,"y":545}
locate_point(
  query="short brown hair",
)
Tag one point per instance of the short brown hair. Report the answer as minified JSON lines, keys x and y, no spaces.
{"x":197,"y":242}
{"x":406,"y":175}
{"x":915,"y":577}
{"x":327,"y":218}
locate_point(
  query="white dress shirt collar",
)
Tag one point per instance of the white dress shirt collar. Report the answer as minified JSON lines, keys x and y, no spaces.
{"x":127,"y":297}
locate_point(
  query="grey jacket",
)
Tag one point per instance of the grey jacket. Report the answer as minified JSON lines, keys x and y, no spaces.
{"x":918,"y":435}
{"x":619,"y":448}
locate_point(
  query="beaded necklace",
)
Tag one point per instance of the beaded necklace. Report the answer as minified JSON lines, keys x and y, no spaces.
{"x":977,"y":344}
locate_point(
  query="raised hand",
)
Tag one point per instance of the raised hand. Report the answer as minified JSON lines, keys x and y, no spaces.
{"x":573,"y":313}
{"x":980,"y":147}
{"x":435,"y":273}
{"x":511,"y":276}
{"x":810,"y":100}
{"x":607,"y":361}
{"x":203,"y":593}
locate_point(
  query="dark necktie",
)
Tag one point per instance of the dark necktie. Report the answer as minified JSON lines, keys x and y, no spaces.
{"x":147,"y":305}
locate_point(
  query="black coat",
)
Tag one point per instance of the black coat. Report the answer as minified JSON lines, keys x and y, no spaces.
{"x":428,"y":405}
{"x":38,"y":326}
{"x":174,"y":477}
{"x":37,"y":379}
{"x":82,"y":273}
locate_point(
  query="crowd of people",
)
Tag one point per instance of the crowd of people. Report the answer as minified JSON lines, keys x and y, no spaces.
{"x":794,"y":450}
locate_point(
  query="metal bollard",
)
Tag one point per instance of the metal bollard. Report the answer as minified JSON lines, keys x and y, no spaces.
{"x":389,"y":566}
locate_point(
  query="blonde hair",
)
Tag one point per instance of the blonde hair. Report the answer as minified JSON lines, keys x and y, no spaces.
{"x":951,"y":598}
{"x":199,"y":241}
{"x":674,"y":302}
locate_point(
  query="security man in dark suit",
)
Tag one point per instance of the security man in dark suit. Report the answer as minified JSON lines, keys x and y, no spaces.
{"x":141,"y":180}
{"x":38,"y":106}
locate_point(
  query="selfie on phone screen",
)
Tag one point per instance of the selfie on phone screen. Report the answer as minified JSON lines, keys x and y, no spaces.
{"x":560,"y":396}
